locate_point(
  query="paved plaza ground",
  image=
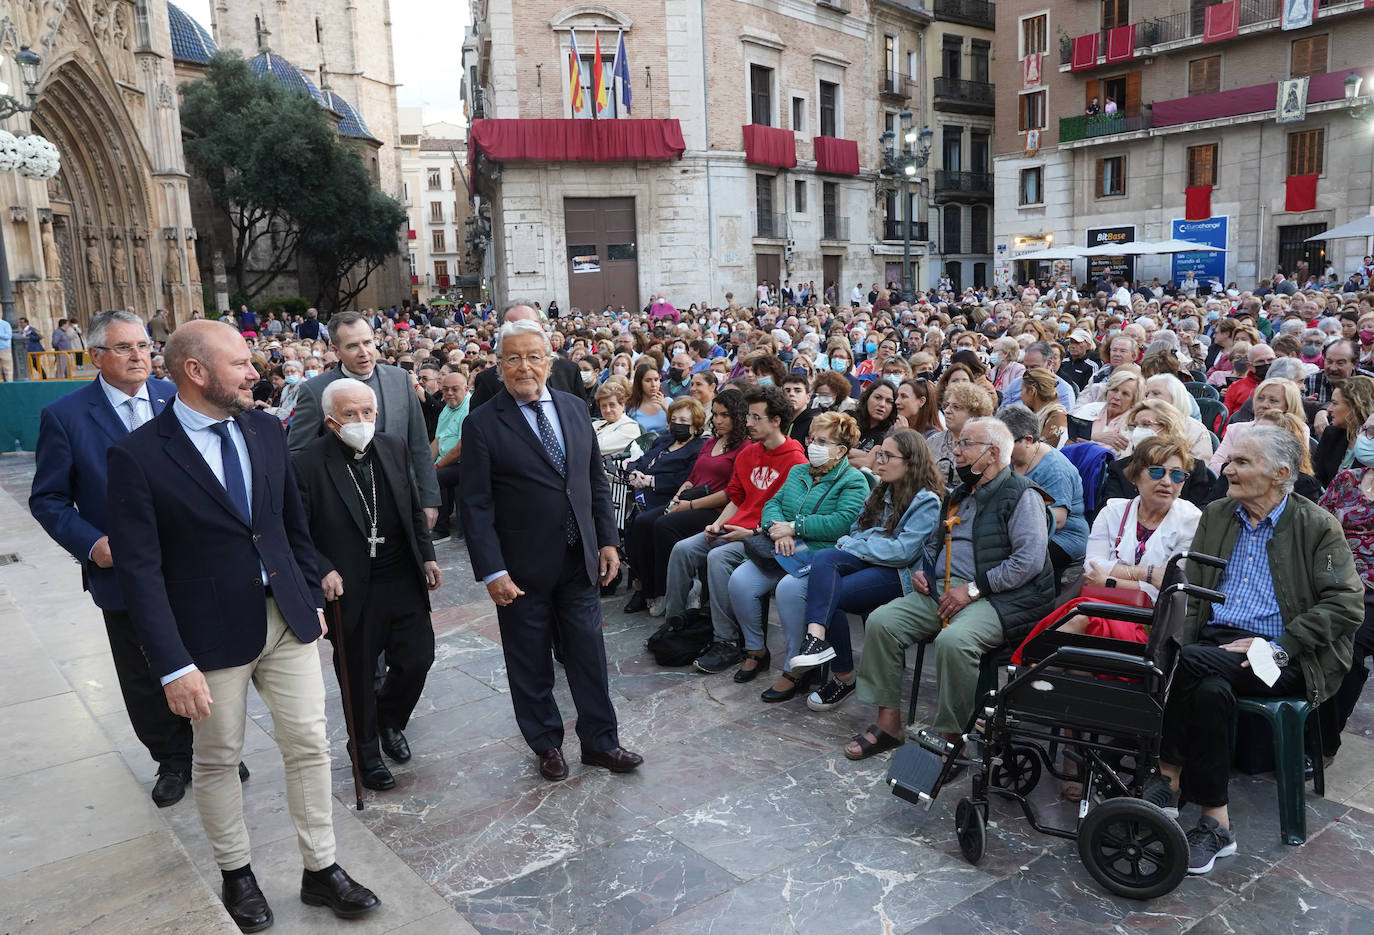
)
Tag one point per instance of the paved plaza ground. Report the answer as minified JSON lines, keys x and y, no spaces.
{"x":745,"y":818}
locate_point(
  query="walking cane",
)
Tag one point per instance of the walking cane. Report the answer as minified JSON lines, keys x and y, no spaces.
{"x":336,"y":621}
{"x":950,"y":523}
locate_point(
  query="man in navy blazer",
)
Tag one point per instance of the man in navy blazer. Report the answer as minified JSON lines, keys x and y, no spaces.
{"x":541,"y":536}
{"x":68,"y":500}
{"x":217,"y":567}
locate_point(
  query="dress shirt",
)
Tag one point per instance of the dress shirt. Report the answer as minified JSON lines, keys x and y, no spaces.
{"x":527,"y":410}
{"x":119,"y":400}
{"x":1247,"y":582}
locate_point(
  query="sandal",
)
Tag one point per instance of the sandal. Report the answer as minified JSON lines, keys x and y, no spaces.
{"x":882,"y":742}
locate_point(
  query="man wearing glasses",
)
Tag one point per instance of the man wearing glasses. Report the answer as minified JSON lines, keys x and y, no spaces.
{"x":68,"y":498}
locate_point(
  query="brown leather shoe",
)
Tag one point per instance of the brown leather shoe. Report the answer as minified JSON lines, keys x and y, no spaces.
{"x":246,"y":904}
{"x":552,"y":766}
{"x":341,"y":893}
{"x":617,"y":759}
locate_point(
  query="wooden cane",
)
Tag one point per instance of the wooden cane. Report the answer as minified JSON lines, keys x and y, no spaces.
{"x":336,"y":621}
{"x":950,"y":523}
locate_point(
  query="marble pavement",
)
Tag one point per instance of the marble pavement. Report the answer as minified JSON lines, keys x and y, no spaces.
{"x":746,"y":817}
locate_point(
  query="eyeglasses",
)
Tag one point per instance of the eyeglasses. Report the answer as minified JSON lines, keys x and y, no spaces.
{"x":126,"y":350}
{"x":1176,"y":475}
{"x":515,"y":360}
{"x":882,"y":457}
{"x":813,"y":440}
{"x":963,"y":443}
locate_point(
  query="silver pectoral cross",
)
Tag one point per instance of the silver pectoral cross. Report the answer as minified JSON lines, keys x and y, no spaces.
{"x":373,"y":541}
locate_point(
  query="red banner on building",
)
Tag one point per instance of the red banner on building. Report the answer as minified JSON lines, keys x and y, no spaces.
{"x":1197,"y":203}
{"x":835,"y":156}
{"x":1120,"y":43}
{"x":1223,"y":21}
{"x":1084,"y":52}
{"x":1301,"y":194}
{"x":769,"y":146}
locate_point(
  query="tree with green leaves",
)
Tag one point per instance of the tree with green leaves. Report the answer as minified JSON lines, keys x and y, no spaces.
{"x":286,"y":186}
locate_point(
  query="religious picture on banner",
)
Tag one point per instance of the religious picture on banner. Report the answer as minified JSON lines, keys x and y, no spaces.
{"x":1291,"y":106}
{"x":1297,"y":14}
{"x":1030,"y":69}
{"x":586,"y":263}
{"x":1032,"y":142}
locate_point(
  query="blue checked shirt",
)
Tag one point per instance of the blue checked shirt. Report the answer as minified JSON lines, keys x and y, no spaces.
{"x":1246,"y":582}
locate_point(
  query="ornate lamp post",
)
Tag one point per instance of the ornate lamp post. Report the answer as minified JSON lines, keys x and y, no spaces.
{"x":905,"y":163}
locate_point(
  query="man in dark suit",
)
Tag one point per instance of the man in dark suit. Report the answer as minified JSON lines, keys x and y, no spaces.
{"x":541,"y":535}
{"x":216,"y":565}
{"x":398,"y":406}
{"x":564,"y":375}
{"x":369,"y":529}
{"x":68,"y":500}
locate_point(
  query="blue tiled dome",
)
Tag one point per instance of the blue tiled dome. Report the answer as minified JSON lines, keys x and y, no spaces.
{"x":352,"y":124}
{"x":286,"y":74}
{"x":191,"y":41}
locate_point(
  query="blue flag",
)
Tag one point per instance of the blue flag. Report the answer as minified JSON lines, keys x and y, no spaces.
{"x":622,"y":71}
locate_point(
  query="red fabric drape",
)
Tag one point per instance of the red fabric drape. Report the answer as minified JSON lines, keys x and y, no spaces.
{"x":1222,"y":22}
{"x":1120,"y":43}
{"x":835,"y":156}
{"x":1252,"y":100}
{"x":1198,"y":203}
{"x":1084,"y":52}
{"x":1301,"y":194}
{"x":769,"y":146}
{"x":569,"y":140}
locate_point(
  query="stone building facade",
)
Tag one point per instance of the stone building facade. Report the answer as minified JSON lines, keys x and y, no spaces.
{"x":753,"y":155}
{"x":433,"y":172}
{"x":1193,"y":108}
{"x":113,"y":228}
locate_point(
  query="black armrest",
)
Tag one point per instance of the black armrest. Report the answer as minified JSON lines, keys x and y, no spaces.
{"x":1100,"y":659}
{"x":1117,"y":612}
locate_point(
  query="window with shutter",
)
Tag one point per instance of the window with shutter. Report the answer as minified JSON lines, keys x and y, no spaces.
{"x":1204,"y":75}
{"x":1032,"y":116}
{"x":1133,"y":94}
{"x":1115,"y":13}
{"x":1034,"y":34}
{"x":1202,"y":165}
{"x":1090,"y":91}
{"x":1308,"y":56}
{"x":1305,"y":151}
{"x":1111,"y":176}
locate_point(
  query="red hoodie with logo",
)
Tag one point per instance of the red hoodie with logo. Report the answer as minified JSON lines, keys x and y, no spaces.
{"x":759,"y":473}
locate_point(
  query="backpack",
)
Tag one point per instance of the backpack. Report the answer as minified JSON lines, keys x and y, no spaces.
{"x":681,"y":640}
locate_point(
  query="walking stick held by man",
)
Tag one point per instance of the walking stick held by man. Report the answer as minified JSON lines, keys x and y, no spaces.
{"x":950,"y":523}
{"x":336,"y":623}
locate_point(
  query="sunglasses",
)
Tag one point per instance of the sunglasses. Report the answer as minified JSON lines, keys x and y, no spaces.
{"x":1176,"y":475}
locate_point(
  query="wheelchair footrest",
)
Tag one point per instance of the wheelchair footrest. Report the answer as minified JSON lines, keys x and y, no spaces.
{"x":914,"y":774}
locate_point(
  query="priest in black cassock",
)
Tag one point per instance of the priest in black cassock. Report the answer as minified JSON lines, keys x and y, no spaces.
{"x":370,"y":531}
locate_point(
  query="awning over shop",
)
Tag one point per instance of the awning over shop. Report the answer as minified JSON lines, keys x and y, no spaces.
{"x":769,"y":146}
{"x":569,"y":140}
{"x":835,"y":156}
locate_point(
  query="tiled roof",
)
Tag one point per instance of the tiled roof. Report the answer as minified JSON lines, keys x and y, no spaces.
{"x":191,"y":41}
{"x":352,"y":124}
{"x":286,"y":74}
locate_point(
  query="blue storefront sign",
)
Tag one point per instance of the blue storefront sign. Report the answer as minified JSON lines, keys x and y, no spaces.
{"x":1205,"y":266}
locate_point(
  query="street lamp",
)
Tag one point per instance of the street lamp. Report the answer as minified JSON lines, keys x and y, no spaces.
{"x":28,"y":61}
{"x":905,"y":163}
{"x":1358,"y":105}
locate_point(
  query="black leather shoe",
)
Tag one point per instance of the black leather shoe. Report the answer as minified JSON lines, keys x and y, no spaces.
{"x":394,"y":744}
{"x":636,"y":603}
{"x":336,"y":889}
{"x":243,"y":771}
{"x":761,"y":662}
{"x":170,"y":788}
{"x":617,"y":759}
{"x":552,"y":766}
{"x":378,"y":777}
{"x":246,"y":904}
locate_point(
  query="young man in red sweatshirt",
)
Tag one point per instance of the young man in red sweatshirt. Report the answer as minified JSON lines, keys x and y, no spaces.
{"x":759,"y":472}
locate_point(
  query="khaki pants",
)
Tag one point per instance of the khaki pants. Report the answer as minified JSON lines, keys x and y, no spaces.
{"x":287,"y":676}
{"x":7,"y":365}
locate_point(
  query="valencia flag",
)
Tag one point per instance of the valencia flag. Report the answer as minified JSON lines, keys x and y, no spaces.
{"x":574,"y":76}
{"x":600,"y":99}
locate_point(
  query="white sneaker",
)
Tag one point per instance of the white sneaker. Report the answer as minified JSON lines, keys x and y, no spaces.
{"x":656,"y":605}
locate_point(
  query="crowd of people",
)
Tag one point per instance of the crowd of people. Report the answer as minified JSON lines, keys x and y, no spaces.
{"x":946,"y":469}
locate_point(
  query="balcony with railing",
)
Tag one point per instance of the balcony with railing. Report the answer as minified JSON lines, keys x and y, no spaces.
{"x":770,"y":224}
{"x":969,"y":12}
{"x":958,"y":94}
{"x":834,"y":227}
{"x":1083,"y":127}
{"x":963,"y":185}
{"x":895,"y":229}
{"x":892,"y":84}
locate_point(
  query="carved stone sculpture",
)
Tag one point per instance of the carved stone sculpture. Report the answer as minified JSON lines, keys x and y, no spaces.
{"x":119,"y":260}
{"x":173,"y":271}
{"x":143,"y":267}
{"x":95,"y":271}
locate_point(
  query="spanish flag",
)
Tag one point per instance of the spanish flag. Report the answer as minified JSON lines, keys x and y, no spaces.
{"x":599,"y":94}
{"x":574,"y":75}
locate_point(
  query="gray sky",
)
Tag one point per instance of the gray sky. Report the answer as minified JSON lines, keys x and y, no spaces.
{"x":429,"y":40}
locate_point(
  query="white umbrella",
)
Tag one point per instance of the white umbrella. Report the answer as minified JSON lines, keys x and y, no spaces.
{"x":1157,"y":248}
{"x":1052,"y":253}
{"x":1115,"y":249}
{"x":1364,"y":227}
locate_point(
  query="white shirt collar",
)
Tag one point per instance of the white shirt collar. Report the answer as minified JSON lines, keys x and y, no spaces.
{"x":190,"y":419}
{"x":118,"y":397}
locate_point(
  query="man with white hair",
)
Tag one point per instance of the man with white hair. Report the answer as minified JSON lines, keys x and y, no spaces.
{"x":377,"y":561}
{"x":1002,"y":581}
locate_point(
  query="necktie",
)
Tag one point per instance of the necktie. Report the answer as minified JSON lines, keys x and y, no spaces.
{"x":560,"y":461}
{"x":233,"y":470}
{"x":134,"y":418}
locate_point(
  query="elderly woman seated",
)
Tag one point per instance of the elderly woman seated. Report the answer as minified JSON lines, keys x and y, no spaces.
{"x":1154,"y":418}
{"x":1292,"y":595}
{"x":614,"y":430}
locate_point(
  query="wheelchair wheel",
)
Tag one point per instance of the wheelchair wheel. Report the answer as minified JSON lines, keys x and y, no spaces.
{"x":1019,"y":770}
{"x":968,"y":825}
{"x":1133,"y":849}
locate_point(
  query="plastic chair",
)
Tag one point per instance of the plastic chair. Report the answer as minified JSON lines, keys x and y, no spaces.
{"x":1214,"y":415}
{"x":1291,"y":720}
{"x":1203,"y":391}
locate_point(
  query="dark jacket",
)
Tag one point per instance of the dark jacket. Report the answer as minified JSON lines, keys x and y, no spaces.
{"x":1320,"y":594}
{"x":1331,"y":449}
{"x":668,"y":468}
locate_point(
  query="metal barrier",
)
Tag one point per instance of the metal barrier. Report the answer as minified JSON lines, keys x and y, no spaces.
{"x":55,"y":365}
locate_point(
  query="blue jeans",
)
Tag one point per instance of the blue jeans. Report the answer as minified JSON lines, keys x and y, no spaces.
{"x":838,"y":584}
{"x":749,"y":585}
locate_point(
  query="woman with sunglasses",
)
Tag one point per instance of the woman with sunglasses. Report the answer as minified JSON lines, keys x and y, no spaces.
{"x":1154,"y":418}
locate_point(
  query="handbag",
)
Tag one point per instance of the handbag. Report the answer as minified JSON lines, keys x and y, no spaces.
{"x":759,"y":549}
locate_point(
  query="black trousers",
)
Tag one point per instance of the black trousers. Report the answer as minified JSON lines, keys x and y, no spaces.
{"x":571,"y":608}
{"x":167,"y":736}
{"x":650,"y":540}
{"x":1199,"y":720}
{"x":448,"y":497}
{"x":1337,"y":710}
{"x":394,"y":623}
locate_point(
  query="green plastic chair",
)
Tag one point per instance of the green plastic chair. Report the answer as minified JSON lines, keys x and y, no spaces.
{"x":1291,"y":720}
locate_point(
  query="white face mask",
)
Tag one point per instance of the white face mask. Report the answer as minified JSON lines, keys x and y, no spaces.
{"x":588,"y":377}
{"x":357,"y":435}
{"x":818,"y":454}
{"x":825,"y":402}
{"x":1139,"y":434}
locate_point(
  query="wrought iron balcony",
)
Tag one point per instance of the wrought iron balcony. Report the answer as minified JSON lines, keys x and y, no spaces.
{"x":964,"y":185}
{"x":968,"y":12}
{"x":834,"y":227}
{"x":895,"y":229}
{"x":770,"y":224}
{"x":958,"y":94}
{"x":892,"y":83}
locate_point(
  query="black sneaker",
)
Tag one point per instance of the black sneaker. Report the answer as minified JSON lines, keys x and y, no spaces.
{"x":831,"y":694}
{"x":719,"y":656}
{"x":814,"y":652}
{"x":1206,"y":842}
{"x":1158,"y":792}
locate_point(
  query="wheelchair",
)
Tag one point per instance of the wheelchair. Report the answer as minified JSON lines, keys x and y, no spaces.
{"x":1103,"y":701}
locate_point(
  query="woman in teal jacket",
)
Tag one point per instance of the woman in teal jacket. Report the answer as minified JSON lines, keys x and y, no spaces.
{"x":866,"y":569}
{"x":814,"y":507}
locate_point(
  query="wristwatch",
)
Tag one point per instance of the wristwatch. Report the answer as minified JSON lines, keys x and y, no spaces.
{"x":1280,"y":654}
{"x":973,"y":592}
